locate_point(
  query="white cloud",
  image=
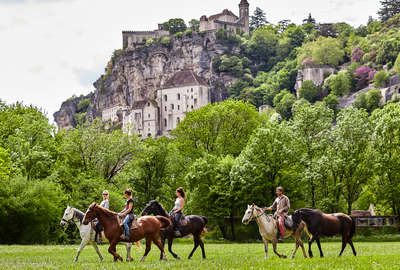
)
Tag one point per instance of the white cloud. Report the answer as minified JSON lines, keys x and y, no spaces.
{"x":52,"y":49}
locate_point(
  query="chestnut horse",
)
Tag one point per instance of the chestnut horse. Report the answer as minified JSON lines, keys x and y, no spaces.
{"x":321,"y":224}
{"x":148,"y":227}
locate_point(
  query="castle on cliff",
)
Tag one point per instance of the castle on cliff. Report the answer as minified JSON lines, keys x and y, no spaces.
{"x":226,"y":20}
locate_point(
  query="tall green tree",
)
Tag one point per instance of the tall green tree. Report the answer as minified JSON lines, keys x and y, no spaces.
{"x":258,"y":19}
{"x":174,"y":26}
{"x":194,"y":25}
{"x":388,"y":9}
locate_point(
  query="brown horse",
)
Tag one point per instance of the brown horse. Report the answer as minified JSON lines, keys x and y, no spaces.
{"x":192,"y":224}
{"x":320,"y":224}
{"x":148,"y":227}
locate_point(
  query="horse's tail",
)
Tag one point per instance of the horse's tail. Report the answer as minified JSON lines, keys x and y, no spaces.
{"x":205,"y":223}
{"x":353,"y":227}
{"x":165,"y":222}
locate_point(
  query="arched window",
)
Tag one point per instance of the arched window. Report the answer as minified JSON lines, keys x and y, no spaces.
{"x":178,"y":120}
{"x":165,"y":122}
{"x":179,"y":96}
{"x":165,"y":98}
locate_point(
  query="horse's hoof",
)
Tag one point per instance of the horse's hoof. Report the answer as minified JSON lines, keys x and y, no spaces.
{"x":283,"y":257}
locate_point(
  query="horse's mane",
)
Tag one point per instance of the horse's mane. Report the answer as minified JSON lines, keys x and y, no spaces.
{"x":106,"y":211}
{"x":79,"y":214}
{"x":158,"y":205}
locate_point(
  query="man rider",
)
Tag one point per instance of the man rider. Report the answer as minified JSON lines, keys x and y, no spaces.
{"x":282,"y":206}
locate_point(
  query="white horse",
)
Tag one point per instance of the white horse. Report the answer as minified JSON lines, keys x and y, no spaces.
{"x":268,"y":227}
{"x":87,"y":232}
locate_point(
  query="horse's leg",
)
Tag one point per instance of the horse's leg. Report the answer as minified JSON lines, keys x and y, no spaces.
{"x":309,"y":246}
{"x":158,"y":244}
{"x":170,"y":240}
{"x":84,"y":242}
{"x":266,"y":248}
{"x":352,"y":247}
{"x":113,"y":250}
{"x":97,"y":250}
{"x":147,"y":250}
{"x":203,"y":252}
{"x":296,"y":247}
{"x":319,"y":247}
{"x":344,"y":242}
{"x":274,"y":246}
{"x":196,"y":244}
{"x":163,"y":244}
{"x":128,"y":252}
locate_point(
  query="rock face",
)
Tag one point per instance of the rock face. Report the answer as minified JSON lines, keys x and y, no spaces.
{"x":137,"y":73}
{"x":315,"y":74}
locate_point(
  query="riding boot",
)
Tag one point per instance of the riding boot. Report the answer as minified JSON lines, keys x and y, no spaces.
{"x":124,"y":237}
{"x":99,"y":239}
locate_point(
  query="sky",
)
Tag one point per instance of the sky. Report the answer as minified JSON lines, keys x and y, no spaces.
{"x":53,"y":49}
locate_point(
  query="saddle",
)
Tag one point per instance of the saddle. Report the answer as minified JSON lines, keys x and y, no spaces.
{"x":288,"y":222}
{"x":130,"y":223}
{"x":182,"y":220}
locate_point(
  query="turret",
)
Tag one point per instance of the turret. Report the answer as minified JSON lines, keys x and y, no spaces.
{"x":244,"y":15}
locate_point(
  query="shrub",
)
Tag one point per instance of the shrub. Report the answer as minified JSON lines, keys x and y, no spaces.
{"x":189,"y":33}
{"x":397,"y":65}
{"x":361,"y":101}
{"x":308,"y":62}
{"x":309,"y":91}
{"x":381,"y":78}
{"x":369,"y":101}
{"x":340,"y":84}
{"x":202,"y":33}
{"x":83,"y":105}
{"x":357,"y":54}
{"x":324,"y":51}
{"x":331,"y":101}
{"x":149,"y":42}
{"x":178,"y":35}
{"x":283,"y":103}
{"x":166,"y":41}
{"x":362,"y":76}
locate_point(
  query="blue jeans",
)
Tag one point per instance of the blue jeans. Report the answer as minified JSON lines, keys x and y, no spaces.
{"x":126,"y":226}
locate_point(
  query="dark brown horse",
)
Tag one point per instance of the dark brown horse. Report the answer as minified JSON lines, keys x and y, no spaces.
{"x":320,"y":224}
{"x":148,"y":227}
{"x":194,"y":225}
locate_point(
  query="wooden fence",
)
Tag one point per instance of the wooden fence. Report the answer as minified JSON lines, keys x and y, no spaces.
{"x":377,"y":221}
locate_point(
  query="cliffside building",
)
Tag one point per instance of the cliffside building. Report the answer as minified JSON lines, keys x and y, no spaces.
{"x":130,"y":38}
{"x":185,"y":91}
{"x":228,"y":20}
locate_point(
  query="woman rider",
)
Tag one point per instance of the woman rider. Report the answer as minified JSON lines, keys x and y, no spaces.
{"x":128,"y":211}
{"x":177,"y":210}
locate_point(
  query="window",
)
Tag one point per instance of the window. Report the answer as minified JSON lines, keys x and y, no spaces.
{"x":179,"y":107}
{"x":165,"y":98}
{"x":148,"y":104}
{"x":172,"y":106}
{"x":191,"y":96}
{"x":179,"y":96}
{"x":148,"y":115}
{"x":178,"y":120}
{"x":192,"y":107}
{"x":195,"y":101}
{"x":149,"y":125}
{"x":191,"y":90}
{"x":165,"y":108}
{"x":165,"y":122}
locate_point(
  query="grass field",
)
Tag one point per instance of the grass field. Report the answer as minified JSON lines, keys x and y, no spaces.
{"x":219,"y":256}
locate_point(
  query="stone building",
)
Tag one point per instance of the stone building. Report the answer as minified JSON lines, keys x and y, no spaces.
{"x":111,"y":114}
{"x":130,"y":38}
{"x":183,"y":92}
{"x":228,"y":20}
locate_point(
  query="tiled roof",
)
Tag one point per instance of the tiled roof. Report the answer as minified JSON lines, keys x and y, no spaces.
{"x":184,"y":78}
{"x":223,"y":13}
{"x":140,"y":104}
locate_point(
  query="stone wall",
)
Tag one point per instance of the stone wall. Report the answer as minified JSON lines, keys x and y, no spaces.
{"x":130,"y":38}
{"x":315,"y":74}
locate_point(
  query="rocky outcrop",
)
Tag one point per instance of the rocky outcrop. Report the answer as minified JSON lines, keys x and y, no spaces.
{"x":317,"y":74}
{"x":136,"y":74}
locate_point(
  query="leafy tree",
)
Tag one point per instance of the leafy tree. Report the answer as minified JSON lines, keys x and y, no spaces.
{"x":309,"y":91}
{"x":324,"y":51}
{"x":283,"y":103}
{"x":174,"y":26}
{"x":237,"y":87}
{"x":83,"y":105}
{"x":389,"y":9}
{"x":309,"y":19}
{"x":388,"y":50}
{"x":194,"y":25}
{"x":283,"y":25}
{"x":5,"y":164}
{"x":369,"y":101}
{"x":361,"y":101}
{"x":258,"y":19}
{"x":386,"y":146}
{"x":310,"y":123}
{"x":381,"y":78}
{"x":219,"y":129}
{"x":332,"y":102}
{"x":262,"y":45}
{"x":340,"y":84}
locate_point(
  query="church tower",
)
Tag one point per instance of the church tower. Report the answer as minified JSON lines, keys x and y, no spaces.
{"x":244,"y":15}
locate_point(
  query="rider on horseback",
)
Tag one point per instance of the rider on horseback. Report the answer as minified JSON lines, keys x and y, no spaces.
{"x":177,"y":210}
{"x":98,"y":228}
{"x":128,"y":211}
{"x":282,"y":206}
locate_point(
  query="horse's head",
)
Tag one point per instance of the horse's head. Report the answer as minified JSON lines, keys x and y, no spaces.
{"x":68,"y":216}
{"x":296,"y":217}
{"x":152,"y":207}
{"x":250,"y":214}
{"x":90,"y":214}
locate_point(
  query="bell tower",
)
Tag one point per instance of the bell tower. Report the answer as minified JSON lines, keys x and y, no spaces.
{"x":244,"y":15}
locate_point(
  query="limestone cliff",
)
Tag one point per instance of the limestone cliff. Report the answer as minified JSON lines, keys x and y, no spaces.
{"x":135,"y":74}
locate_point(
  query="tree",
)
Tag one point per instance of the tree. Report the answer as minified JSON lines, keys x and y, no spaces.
{"x":369,"y":101}
{"x":262,"y":45}
{"x":389,"y":9}
{"x":283,"y":24}
{"x":332,"y":102}
{"x":220,"y":129}
{"x":309,"y":91}
{"x":397,"y":65}
{"x":386,"y":145}
{"x":349,"y":159}
{"x":258,"y":19}
{"x":194,"y":25}
{"x":309,"y":19}
{"x":381,"y":78}
{"x":310,"y":123}
{"x":174,"y":26}
{"x":340,"y":84}
{"x":324,"y":51}
{"x":283,"y":103}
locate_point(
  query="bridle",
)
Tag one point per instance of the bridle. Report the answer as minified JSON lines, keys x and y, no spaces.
{"x":73,"y":217}
{"x":260,"y":215}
